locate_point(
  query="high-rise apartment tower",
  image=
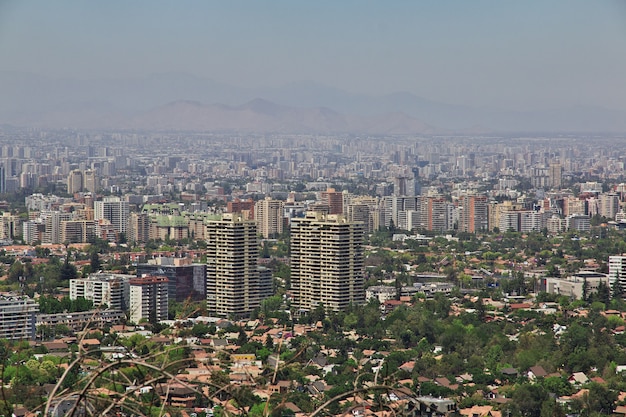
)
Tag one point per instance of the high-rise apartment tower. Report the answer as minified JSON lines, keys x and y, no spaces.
{"x":232,"y":272}
{"x":326,"y":262}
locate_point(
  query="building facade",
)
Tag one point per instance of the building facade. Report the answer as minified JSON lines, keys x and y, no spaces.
{"x":232,"y":271}
{"x":17,"y":317}
{"x":269,"y":216}
{"x":115,"y":210}
{"x":148,"y":298}
{"x":186,"y":280}
{"x":326,"y":262}
{"x":473,"y":213}
{"x":112,"y":290}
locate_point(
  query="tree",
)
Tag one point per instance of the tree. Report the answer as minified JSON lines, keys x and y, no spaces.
{"x":16,"y":271}
{"x":94,"y":261}
{"x":528,"y":399}
{"x":550,"y":408}
{"x":601,"y":399}
{"x":585,"y":290}
{"x":603,"y":294}
{"x":67,"y":271}
{"x":616,"y":288}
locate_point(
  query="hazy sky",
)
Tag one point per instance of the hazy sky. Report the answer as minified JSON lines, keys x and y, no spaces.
{"x":515,"y":54}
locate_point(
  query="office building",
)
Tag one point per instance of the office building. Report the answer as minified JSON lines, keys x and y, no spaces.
{"x":148,"y":298}
{"x":326,"y":262}
{"x":575,"y":286}
{"x":112,"y":290}
{"x":269,"y":216}
{"x":186,"y":280}
{"x":17,"y":317}
{"x":232,"y":272}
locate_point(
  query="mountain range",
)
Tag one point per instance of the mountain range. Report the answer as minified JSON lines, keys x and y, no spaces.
{"x":178,"y":101}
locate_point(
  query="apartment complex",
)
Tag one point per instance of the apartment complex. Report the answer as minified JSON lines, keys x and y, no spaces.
{"x":112,"y":290}
{"x":326,"y":262}
{"x":269,"y":216}
{"x":617,"y":270}
{"x":333,"y":200}
{"x":115,"y":210}
{"x":78,"y":180}
{"x":148,"y":298}
{"x":233,"y":281}
{"x":473,"y":213}
{"x":17,"y":317}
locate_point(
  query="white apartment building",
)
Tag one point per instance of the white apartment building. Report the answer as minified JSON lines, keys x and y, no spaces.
{"x":112,"y":290}
{"x":115,"y":210}
{"x":617,"y":270}
{"x":17,"y":317}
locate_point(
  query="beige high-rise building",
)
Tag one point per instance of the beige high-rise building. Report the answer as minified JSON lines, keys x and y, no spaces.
{"x":75,"y":181}
{"x":138,"y":227}
{"x":269,"y":216}
{"x":326,"y":262}
{"x":555,"y":174}
{"x":53,"y":221}
{"x":90,"y":181}
{"x":9,"y":225}
{"x":232,"y":272}
{"x":77,"y":231}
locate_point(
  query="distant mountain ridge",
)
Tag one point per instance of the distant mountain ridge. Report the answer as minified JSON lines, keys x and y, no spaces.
{"x":262,"y":115}
{"x":34,"y":100}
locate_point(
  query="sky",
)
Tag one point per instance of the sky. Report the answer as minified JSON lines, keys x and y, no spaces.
{"x":518,"y":55}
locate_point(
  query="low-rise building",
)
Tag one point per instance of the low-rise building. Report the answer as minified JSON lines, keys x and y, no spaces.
{"x":80,"y":320}
{"x":17,"y":317}
{"x":574,"y":286}
{"x":112,"y":290}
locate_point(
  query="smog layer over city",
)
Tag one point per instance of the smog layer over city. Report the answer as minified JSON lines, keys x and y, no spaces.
{"x":313,"y":208}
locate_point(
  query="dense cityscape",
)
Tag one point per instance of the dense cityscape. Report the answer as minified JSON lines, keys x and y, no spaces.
{"x":181,"y":273}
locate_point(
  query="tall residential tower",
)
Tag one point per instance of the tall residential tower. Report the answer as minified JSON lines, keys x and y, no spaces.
{"x":326,"y":262}
{"x":232,"y":274}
